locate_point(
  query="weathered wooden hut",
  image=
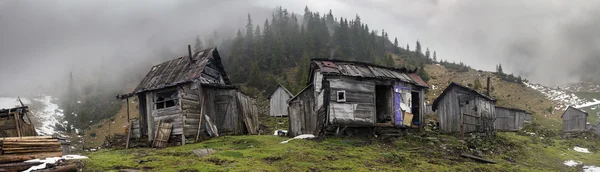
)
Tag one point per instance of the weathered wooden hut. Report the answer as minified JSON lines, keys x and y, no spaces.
{"x":597,"y":128}
{"x":346,"y":94}
{"x":15,"y":122}
{"x":574,"y":119}
{"x":511,"y":119}
{"x":462,"y":109}
{"x":278,"y":101}
{"x":190,"y":92}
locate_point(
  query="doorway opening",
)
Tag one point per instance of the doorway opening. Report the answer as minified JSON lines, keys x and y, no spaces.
{"x":384,"y":103}
{"x":416,"y":108}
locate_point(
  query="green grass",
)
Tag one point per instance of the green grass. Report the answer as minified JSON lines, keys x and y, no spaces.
{"x":414,"y":152}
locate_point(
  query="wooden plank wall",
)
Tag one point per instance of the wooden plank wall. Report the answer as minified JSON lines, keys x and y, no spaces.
{"x":506,"y":120}
{"x":302,"y":116}
{"x":221,"y":108}
{"x":248,"y":111}
{"x":574,"y":120}
{"x":278,"y":102}
{"x":135,"y":129}
{"x":449,"y":112}
{"x":190,"y":106}
{"x":359,"y":108}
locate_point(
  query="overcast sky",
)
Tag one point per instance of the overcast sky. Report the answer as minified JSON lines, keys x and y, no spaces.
{"x":548,"y":41}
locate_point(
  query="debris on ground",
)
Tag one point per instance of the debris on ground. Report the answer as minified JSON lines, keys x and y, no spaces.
{"x":204,"y":152}
{"x":280,"y":132}
{"x":478,"y":158}
{"x":302,"y":136}
{"x":52,"y":162}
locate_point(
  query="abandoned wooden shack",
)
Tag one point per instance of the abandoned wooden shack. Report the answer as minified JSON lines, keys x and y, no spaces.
{"x":346,"y":95}
{"x":462,"y":109}
{"x":574,"y":119}
{"x":194,"y":95}
{"x":511,"y":119}
{"x":15,"y":122}
{"x":278,"y":101}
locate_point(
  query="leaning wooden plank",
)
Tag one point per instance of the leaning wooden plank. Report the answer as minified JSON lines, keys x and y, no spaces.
{"x":20,"y":158}
{"x":28,"y":148}
{"x":27,"y":137}
{"x":21,"y":166}
{"x":128,"y":134}
{"x":200,"y":120}
{"x":480,"y":159}
{"x":31,"y":143}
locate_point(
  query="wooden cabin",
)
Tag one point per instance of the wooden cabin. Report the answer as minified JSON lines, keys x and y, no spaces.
{"x":574,"y":119}
{"x":15,"y":122}
{"x":346,"y":94}
{"x":193,"y":93}
{"x":597,"y":128}
{"x":278,"y":101}
{"x":462,"y":109}
{"x":511,"y":119}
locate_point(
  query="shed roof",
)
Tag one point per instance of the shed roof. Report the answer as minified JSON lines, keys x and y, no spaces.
{"x":4,"y":112}
{"x":303,"y":90}
{"x":367,"y":70}
{"x":454,"y":84}
{"x":513,"y":109}
{"x":571,"y":107}
{"x":182,"y":70}
{"x":282,"y":87}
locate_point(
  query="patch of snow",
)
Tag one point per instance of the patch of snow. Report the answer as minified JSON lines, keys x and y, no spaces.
{"x":48,"y":115}
{"x":580,"y":149}
{"x":591,"y":168}
{"x":571,"y":163}
{"x":588,"y":104}
{"x":51,"y":160}
{"x":78,"y":102}
{"x":564,"y":98}
{"x":302,"y":136}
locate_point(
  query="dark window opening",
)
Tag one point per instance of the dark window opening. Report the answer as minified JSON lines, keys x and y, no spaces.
{"x":384,"y":99}
{"x":166,"y":99}
{"x":341,"y":96}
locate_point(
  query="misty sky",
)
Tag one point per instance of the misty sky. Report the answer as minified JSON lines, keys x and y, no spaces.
{"x":548,"y":41}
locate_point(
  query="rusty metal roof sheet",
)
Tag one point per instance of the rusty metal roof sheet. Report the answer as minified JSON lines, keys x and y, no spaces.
{"x":183,"y":70}
{"x":367,"y":70}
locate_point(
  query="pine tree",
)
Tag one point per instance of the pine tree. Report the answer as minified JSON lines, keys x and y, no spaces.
{"x":198,"y":46}
{"x":499,"y":69}
{"x":434,"y":57}
{"x":427,"y":54}
{"x":407,"y":48}
{"x":249,"y":37}
{"x":418,"y":49}
{"x":396,"y":42}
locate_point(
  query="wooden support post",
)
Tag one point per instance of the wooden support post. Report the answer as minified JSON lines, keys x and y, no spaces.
{"x":200,"y":120}
{"x":128,"y":134}
{"x":16,"y":118}
{"x":127,"y":109}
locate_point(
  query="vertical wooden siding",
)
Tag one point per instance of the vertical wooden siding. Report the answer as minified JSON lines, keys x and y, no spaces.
{"x":278,"y":102}
{"x":475,"y":115}
{"x":574,"y":120}
{"x":302,"y":116}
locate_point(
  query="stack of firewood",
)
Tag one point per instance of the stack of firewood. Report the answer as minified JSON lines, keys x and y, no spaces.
{"x":17,"y":149}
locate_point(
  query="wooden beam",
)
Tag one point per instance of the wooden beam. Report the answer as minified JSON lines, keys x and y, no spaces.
{"x":200,"y":118}
{"x":21,"y":158}
{"x":26,"y":137}
{"x":128,"y":131}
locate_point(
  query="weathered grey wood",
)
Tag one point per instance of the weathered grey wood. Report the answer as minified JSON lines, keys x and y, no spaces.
{"x":302,"y":116}
{"x":459,"y":106}
{"x":278,"y":102}
{"x":574,"y":120}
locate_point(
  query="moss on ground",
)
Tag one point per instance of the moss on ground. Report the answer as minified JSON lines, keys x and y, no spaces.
{"x":426,"y":151}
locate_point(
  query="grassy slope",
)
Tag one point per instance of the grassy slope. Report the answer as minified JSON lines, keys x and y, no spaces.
{"x":430,"y":152}
{"x":594,"y":118}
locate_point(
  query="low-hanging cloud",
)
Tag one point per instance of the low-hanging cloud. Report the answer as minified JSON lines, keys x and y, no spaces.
{"x":547,"y":41}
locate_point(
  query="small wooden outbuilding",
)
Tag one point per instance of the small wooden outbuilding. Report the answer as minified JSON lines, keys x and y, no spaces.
{"x":278,"y":101}
{"x":462,"y":109}
{"x":511,"y":119}
{"x":193,"y":93}
{"x":597,"y":127}
{"x":346,"y":95}
{"x":574,"y":120}
{"x":15,"y":122}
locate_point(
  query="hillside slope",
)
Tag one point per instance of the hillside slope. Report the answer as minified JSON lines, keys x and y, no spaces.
{"x":508,"y":94}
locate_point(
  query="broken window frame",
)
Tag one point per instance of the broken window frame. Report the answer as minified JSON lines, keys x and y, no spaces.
{"x":174,"y":98}
{"x":337,"y":95}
